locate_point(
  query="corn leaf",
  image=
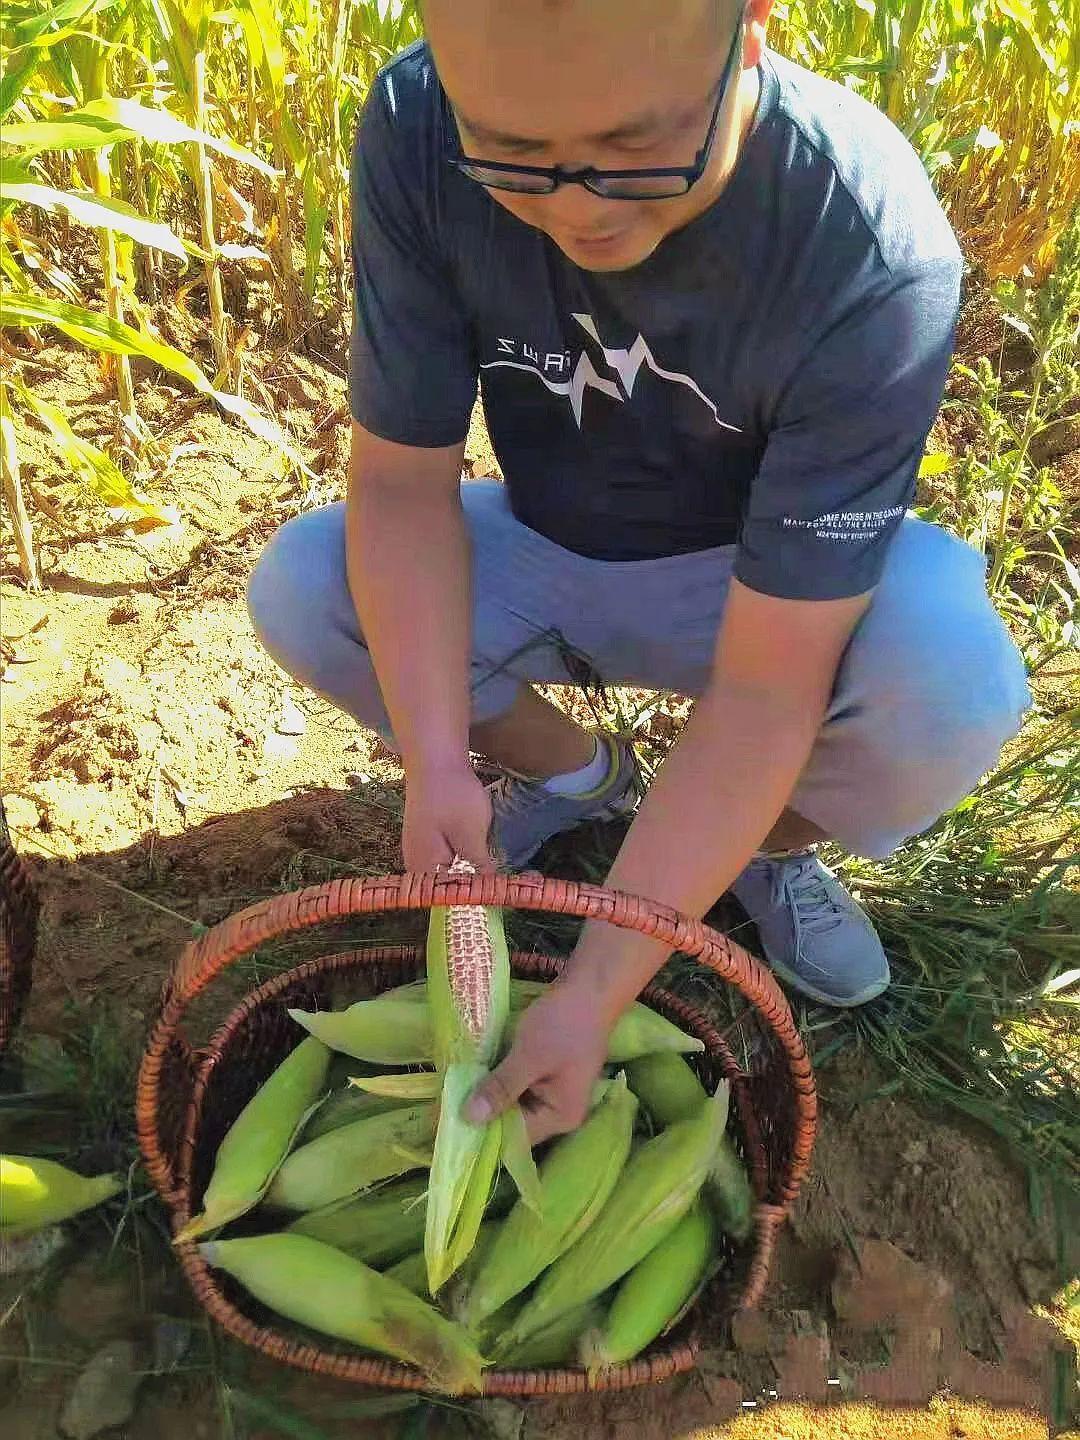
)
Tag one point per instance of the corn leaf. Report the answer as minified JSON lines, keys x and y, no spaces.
{"x":94,"y":467}
{"x":96,"y":210}
{"x":517,"y":1157}
{"x":110,"y":120}
{"x":101,"y":332}
{"x":414,"y":1085}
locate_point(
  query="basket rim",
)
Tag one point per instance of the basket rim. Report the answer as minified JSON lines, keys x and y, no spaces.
{"x":656,"y":1365}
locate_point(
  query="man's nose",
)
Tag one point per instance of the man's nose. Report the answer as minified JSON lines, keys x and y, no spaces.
{"x":572,"y":207}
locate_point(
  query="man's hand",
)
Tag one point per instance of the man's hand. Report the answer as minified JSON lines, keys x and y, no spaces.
{"x":447,"y":813}
{"x":558,"y":1052}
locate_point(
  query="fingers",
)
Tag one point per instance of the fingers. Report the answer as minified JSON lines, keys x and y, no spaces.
{"x":503,"y":1088}
{"x":426,"y":851}
{"x":551,"y":1110}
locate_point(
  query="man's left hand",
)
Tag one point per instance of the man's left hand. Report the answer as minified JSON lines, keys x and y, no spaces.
{"x":558,"y":1052}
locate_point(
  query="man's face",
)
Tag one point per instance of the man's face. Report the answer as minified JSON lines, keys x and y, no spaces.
{"x":610,"y":84}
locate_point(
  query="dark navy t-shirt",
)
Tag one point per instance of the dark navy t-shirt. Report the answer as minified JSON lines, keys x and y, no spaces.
{"x":765,"y":378}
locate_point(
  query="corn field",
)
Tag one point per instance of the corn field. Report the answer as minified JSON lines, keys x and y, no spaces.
{"x":157,"y":157}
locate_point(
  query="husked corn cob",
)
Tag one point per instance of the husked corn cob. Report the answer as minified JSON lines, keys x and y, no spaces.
{"x":259,"y":1138}
{"x":670,"y":1091}
{"x":468,"y":988}
{"x":656,"y":1189}
{"x":655,"y":1292}
{"x":383,"y":1031}
{"x":354,"y":1157}
{"x":316,"y":1285}
{"x":378,"y":1227}
{"x":35,"y":1193}
{"x":576,"y":1180}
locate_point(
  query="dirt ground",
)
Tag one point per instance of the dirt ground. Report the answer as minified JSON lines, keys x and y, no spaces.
{"x":159,"y":772}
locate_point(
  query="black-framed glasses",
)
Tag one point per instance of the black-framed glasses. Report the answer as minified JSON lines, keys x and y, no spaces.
{"x":663,"y":183}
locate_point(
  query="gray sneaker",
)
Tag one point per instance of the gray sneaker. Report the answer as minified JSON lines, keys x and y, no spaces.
{"x":525,"y":814}
{"x":815,"y":937}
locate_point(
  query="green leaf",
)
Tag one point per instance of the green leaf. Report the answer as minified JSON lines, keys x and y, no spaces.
{"x":103,"y":213}
{"x":936,"y":463}
{"x":110,"y":120}
{"x":101,"y":332}
{"x":95,"y":468}
{"x":162,"y":127}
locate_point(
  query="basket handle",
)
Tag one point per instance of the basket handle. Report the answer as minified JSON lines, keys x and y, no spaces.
{"x":218,"y":947}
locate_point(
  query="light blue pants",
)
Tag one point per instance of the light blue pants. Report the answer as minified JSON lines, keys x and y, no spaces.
{"x":929,"y":688}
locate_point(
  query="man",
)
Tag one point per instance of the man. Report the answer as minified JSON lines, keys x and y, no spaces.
{"x":710,"y":299}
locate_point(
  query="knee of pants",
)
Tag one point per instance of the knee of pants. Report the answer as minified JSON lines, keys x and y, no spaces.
{"x":940,"y":722}
{"x":298,"y":595}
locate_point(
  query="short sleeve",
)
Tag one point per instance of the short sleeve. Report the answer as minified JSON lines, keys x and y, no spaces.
{"x":412,"y":371}
{"x":843,"y":452}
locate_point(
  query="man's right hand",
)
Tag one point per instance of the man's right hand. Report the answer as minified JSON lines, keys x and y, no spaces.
{"x":447,"y":814}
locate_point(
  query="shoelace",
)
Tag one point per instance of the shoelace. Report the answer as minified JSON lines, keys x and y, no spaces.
{"x":512,"y":796}
{"x":810,"y":892}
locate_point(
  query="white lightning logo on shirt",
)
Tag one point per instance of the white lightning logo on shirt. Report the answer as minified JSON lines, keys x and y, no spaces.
{"x":625,"y":363}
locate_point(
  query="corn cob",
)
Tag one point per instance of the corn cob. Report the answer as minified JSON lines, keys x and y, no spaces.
{"x":556,"y":1343}
{"x":343,"y":1107}
{"x":316,"y":1285}
{"x":468,"y":987}
{"x":639,"y":1030}
{"x":666,"y":1086}
{"x":576,"y":1180}
{"x":354,"y":1157}
{"x":383,"y":1031}
{"x":659,"y":1184}
{"x":670,"y":1091}
{"x":378,"y":1227}
{"x":259,"y":1138}
{"x":35,"y":1193}
{"x":655,"y":1293}
{"x":411,"y":1272}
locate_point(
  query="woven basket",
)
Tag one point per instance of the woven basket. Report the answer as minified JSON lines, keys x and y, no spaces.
{"x":187,"y":1098}
{"x":18,"y":934}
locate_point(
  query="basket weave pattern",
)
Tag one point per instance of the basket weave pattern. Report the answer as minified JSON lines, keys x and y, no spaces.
{"x":187,"y":1099}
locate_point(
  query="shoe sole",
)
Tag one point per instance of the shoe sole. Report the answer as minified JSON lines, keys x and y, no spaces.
{"x":847,"y":1002}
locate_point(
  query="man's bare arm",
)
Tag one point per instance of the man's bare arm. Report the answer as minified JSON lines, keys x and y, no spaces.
{"x":408,"y":559}
{"x":728,"y":778}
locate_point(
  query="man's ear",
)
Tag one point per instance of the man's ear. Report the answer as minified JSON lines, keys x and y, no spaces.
{"x":757,"y":14}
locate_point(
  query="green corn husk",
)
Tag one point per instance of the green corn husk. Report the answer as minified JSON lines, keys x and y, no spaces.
{"x":412,"y":1273}
{"x":258,"y":1140}
{"x":655,"y":1293}
{"x":344,"y":1107}
{"x":670,"y":1091}
{"x":404,"y":1086}
{"x":353,"y":1158}
{"x":660,"y":1182}
{"x":468,"y":990}
{"x":728,"y":1191}
{"x":383,"y":1031}
{"x":35,"y":1193}
{"x":640,"y":1030}
{"x":378,"y":1227}
{"x":666,"y":1086}
{"x":318,"y":1286}
{"x":576,"y":1180}
{"x":556,"y":1344}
